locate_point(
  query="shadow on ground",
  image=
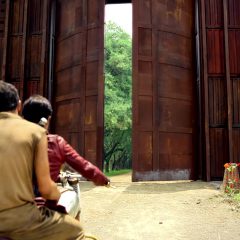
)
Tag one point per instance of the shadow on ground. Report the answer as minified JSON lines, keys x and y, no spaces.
{"x":165,"y":187}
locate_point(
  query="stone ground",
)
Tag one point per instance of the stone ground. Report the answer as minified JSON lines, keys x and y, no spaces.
{"x":180,"y":210}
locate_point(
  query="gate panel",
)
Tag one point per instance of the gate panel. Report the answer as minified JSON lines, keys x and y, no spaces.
{"x":15,"y":45}
{"x":3,"y":14}
{"x":220,"y":26}
{"x":163,"y":116}
{"x":234,"y":62}
{"x":26,"y":46}
{"x":79,"y":75}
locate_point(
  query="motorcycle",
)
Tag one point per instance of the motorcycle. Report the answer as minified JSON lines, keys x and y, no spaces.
{"x":69,"y":201}
{"x":69,"y":187}
{"x":70,"y":193}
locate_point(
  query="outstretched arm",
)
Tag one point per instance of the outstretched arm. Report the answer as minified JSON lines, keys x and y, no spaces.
{"x":83,"y":166}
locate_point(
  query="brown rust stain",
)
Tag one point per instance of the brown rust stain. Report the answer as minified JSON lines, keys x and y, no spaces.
{"x":174,"y":9}
{"x":169,"y":152}
{"x":149,"y":148}
{"x":89,"y":119}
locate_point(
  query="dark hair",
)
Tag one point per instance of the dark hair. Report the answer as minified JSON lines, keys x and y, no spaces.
{"x":35,"y":108}
{"x":9,"y":97}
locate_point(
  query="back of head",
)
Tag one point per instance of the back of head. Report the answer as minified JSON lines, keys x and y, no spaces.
{"x":35,"y":108}
{"x":9,"y":97}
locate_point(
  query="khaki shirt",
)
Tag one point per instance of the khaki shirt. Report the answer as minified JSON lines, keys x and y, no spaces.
{"x":18,"y":141}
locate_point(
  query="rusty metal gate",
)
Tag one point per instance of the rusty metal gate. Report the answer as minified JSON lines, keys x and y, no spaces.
{"x":220,"y":51}
{"x":78,"y":83}
{"x":163,"y":117}
{"x":163,"y":85}
{"x":24,"y":44}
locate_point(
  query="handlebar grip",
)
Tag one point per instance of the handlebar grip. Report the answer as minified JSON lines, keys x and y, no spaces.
{"x":73,"y":181}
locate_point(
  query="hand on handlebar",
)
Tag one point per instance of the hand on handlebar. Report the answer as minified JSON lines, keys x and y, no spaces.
{"x":109,"y":185}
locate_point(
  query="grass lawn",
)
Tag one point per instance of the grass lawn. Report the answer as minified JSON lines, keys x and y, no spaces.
{"x":117,"y":172}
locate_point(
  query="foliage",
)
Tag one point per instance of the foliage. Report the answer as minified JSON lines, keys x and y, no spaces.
{"x":231,"y":179}
{"x":118,"y":94}
{"x":117,"y":172}
{"x":231,"y":166}
{"x":231,"y":191}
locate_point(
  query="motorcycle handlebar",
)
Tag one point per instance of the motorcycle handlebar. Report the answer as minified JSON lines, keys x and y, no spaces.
{"x":68,"y":174}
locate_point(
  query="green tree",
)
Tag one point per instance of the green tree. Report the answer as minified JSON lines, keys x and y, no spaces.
{"x":118,"y":96}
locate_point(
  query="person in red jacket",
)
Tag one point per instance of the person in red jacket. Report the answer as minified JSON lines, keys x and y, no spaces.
{"x":38,"y":109}
{"x":59,"y":151}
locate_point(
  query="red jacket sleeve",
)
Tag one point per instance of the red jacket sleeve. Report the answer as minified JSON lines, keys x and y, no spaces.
{"x":81,"y":165}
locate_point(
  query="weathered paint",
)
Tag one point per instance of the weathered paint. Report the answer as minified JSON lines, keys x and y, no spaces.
{"x":167,"y":175}
{"x":163,"y":85}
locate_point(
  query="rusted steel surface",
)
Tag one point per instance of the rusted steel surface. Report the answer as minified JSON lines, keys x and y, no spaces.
{"x":199,"y":167}
{"x":228,"y":80}
{"x":15,"y":44}
{"x":68,"y":68}
{"x":214,"y":85}
{"x":117,"y":1}
{"x":23,"y":48}
{"x":45,"y":38}
{"x":233,"y":26}
{"x":163,"y":83}
{"x":79,"y":83}
{"x":234,"y":59}
{"x":26,"y":46}
{"x":3,"y":15}
{"x":218,"y":151}
{"x":220,"y":31}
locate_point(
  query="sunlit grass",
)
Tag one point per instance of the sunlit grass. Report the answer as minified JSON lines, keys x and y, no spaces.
{"x":117,"y":172}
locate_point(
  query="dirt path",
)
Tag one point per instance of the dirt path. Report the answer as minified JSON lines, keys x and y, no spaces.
{"x":158,"y":211}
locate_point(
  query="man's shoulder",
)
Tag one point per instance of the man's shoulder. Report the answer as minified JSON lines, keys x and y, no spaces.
{"x":23,"y":129}
{"x":31,"y":125}
{"x":18,"y":121}
{"x":30,"y":128}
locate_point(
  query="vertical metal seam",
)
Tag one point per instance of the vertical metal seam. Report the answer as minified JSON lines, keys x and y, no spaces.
{"x":44,"y":45}
{"x":24,"y":43}
{"x":228,"y":81}
{"x":52,"y":45}
{"x":100,"y":97}
{"x":134,"y":89}
{"x":155,"y":91}
{"x":84,"y":73}
{"x":205,"y":90}
{"x":5,"y":41}
{"x":198,"y":155}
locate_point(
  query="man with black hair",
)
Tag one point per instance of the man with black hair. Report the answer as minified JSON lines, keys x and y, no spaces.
{"x":23,"y":154}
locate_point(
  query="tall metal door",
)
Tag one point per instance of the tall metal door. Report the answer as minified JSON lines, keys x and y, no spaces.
{"x":78,"y":84}
{"x":24,"y":57}
{"x":163,"y":103}
{"x":220,"y":37}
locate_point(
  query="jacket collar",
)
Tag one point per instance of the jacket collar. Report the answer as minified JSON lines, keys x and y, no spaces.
{"x":5,"y":115}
